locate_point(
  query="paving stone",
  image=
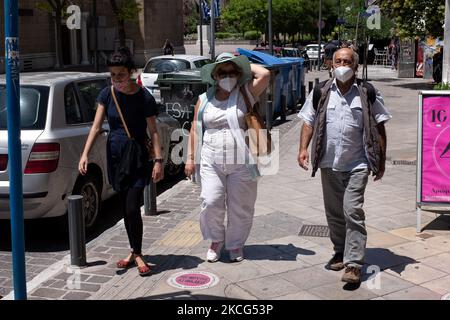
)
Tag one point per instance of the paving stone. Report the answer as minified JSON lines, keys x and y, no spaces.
{"x":234,"y":291}
{"x":441,"y":285}
{"x":48,"y":293}
{"x":101,"y":249}
{"x":302,"y":295}
{"x":415,"y":250}
{"x":89,"y":287}
{"x":65,"y":276}
{"x":413,"y":293}
{"x":441,"y":243}
{"x":77,"y":296}
{"x":384,"y":240}
{"x":417,"y":273}
{"x":268,"y":287}
{"x":117,"y":244}
{"x":42,"y":261}
{"x":117,"y":251}
{"x":59,"y":284}
{"x":237,"y":272}
{"x":103,"y":272}
{"x":338,"y":291}
{"x":98,"y":279}
{"x":440,"y":262}
{"x":120,"y":238}
{"x":408,"y":233}
{"x":383,"y":283}
{"x":311,"y":277}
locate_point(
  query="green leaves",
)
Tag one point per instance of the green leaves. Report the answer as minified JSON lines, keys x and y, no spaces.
{"x":127,"y":10}
{"x":416,"y":17}
{"x":442,"y":86}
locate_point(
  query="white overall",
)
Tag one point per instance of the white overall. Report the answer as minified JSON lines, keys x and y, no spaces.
{"x":227,"y":184}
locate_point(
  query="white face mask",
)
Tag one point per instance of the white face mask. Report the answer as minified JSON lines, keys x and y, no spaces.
{"x":227,"y":84}
{"x":343,"y":74}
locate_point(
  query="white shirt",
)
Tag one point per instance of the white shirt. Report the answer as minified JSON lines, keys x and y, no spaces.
{"x":219,"y":145}
{"x":344,"y":146}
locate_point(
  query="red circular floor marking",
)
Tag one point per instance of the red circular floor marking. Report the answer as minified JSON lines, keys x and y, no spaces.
{"x":193,"y":280}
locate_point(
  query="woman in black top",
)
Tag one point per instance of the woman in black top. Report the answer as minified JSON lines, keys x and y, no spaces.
{"x":139,"y":111}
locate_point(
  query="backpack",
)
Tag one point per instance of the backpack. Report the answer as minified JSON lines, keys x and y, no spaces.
{"x":317,"y":93}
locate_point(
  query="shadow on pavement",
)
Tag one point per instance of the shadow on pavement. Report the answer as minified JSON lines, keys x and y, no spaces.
{"x":162,"y":263}
{"x":379,"y":259}
{"x":277,"y":252}
{"x":441,"y":223}
{"x":184,"y":295}
{"x":415,"y":86}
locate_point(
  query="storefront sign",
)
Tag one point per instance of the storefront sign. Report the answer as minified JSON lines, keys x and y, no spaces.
{"x":434,"y":148}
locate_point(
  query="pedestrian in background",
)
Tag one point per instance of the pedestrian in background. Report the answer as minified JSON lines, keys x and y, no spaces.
{"x":346,"y":125}
{"x":437,"y":65}
{"x":229,"y":185}
{"x":139,"y":111}
{"x":168,"y":48}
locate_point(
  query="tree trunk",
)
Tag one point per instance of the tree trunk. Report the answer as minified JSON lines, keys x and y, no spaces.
{"x":120,"y":23}
{"x":58,"y":39}
{"x":122,"y":34}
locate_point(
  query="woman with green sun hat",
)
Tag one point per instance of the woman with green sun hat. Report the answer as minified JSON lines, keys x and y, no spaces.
{"x":218,"y":153}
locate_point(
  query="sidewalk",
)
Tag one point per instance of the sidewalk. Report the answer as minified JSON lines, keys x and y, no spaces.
{"x":279,"y":263}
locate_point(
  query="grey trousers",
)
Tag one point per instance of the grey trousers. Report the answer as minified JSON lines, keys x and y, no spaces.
{"x":343,"y":194}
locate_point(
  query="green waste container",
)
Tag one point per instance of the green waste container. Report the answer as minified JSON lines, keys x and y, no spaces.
{"x":179,"y":94}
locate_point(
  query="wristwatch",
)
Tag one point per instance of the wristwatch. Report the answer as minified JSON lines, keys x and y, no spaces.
{"x":159,"y":160}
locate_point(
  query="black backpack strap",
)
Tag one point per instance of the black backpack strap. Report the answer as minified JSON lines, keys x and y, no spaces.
{"x":371,"y":91}
{"x":317,"y":93}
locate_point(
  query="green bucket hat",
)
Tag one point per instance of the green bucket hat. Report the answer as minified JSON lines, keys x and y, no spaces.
{"x":241,"y":61}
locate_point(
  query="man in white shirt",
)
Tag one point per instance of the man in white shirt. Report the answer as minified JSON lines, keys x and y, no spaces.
{"x":346,"y":124}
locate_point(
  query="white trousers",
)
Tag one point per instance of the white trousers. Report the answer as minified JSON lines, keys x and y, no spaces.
{"x":227,"y":188}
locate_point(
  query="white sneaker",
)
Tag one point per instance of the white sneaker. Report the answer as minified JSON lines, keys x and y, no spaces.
{"x":236,"y":255}
{"x":213,"y":253}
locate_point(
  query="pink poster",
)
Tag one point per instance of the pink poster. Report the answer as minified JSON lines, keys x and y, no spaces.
{"x":436,"y":149}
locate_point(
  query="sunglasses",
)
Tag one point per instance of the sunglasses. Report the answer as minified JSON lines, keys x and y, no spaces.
{"x":222,"y":74}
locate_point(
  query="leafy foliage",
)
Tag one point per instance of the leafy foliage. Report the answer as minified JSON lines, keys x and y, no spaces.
{"x":442,"y":86}
{"x":416,"y":17}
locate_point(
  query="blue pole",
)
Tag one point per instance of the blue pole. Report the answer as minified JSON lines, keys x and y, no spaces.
{"x":14,"y":146}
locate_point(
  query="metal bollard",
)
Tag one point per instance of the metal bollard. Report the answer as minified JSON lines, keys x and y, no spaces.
{"x":269,"y":115}
{"x":77,"y":235}
{"x":150,"y":199}
{"x":283,"y":108}
{"x":310,"y":86}
{"x":303,"y":94}
{"x":295,"y":99}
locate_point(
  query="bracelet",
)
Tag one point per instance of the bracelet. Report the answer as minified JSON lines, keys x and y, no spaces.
{"x":159,"y":160}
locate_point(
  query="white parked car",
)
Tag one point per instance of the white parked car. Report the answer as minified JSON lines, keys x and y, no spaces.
{"x":313,"y":52}
{"x":57,"y":110}
{"x":168,"y":63}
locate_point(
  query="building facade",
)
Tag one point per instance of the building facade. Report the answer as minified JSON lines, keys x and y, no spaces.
{"x":158,"y":20}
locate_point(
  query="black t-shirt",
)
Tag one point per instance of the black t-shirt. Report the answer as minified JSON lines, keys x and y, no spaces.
{"x":136,"y":108}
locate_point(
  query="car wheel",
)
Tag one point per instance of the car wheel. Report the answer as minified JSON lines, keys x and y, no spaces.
{"x":89,"y":188}
{"x":171,"y":169}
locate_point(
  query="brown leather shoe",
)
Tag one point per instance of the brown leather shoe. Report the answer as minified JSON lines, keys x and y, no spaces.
{"x":352,"y":275}
{"x":337,"y":262}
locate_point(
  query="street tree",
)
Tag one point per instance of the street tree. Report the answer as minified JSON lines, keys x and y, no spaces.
{"x":416,"y":17}
{"x":125,"y":10}
{"x":57,"y":10}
